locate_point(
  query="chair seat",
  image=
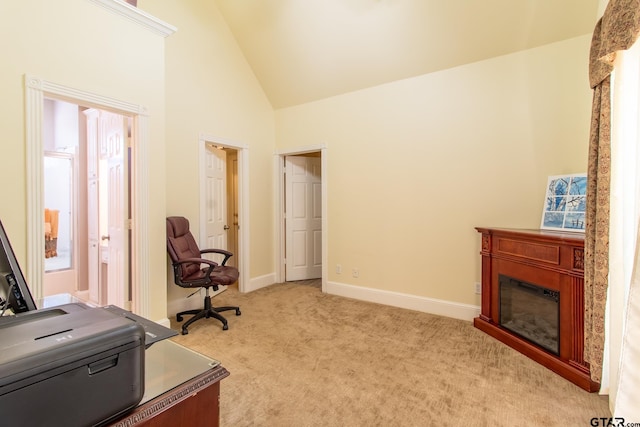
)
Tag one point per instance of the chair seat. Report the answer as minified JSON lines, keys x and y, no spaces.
{"x":224,"y":275}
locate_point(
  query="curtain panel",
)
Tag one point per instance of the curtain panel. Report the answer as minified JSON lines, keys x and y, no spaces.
{"x":616,"y":30}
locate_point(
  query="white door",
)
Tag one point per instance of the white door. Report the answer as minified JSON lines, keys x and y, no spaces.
{"x":112,"y":149}
{"x":213,"y":205}
{"x":303,"y":218}
{"x":216,"y":199}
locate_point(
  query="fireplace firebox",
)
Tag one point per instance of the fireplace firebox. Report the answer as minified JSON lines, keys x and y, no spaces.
{"x":533,"y":297}
{"x":530,"y":311}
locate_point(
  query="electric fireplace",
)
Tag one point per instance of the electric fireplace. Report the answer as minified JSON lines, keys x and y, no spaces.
{"x":533,"y":297}
{"x":530,"y":311}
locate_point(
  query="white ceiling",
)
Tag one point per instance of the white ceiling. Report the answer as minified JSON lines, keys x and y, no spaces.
{"x":304,"y":50}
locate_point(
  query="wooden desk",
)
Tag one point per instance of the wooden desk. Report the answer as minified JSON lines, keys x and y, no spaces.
{"x":182,"y":388}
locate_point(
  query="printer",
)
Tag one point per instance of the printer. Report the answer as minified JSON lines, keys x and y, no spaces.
{"x":70,"y":365}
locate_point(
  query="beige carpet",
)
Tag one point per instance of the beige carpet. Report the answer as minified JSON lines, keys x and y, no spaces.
{"x":298,"y":357}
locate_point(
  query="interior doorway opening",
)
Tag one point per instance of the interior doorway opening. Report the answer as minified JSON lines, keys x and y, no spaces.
{"x":224,"y":216}
{"x":36,"y":90}
{"x":302,"y":214}
{"x":87,"y":207}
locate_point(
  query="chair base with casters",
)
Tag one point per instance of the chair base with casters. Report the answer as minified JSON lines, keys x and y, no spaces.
{"x":207,"y":312}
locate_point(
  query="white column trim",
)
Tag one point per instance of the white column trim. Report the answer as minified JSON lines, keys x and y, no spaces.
{"x":34,"y":106}
{"x":140,"y":257}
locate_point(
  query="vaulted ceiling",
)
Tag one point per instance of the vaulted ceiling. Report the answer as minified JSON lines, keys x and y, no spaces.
{"x":305,"y":50}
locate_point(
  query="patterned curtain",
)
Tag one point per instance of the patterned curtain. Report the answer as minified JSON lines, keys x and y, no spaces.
{"x":616,"y":30}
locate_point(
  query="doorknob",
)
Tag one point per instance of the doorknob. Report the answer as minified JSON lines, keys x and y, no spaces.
{"x":226,"y":227}
{"x":104,"y":238}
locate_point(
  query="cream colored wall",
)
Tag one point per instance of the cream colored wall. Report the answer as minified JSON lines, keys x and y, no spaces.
{"x":79,"y":44}
{"x":415,"y":165}
{"x":412,"y":164}
{"x":212,"y":90}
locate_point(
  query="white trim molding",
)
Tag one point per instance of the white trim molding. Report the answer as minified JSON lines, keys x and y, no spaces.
{"x":412,"y":302}
{"x":260,"y":282}
{"x":124,"y":9}
{"x":36,"y":90}
{"x":301,"y":150}
{"x":164,"y":322}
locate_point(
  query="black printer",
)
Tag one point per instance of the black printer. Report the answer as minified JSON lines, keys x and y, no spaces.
{"x":70,"y":365}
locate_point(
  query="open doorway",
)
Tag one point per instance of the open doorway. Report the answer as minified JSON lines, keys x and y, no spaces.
{"x":60,"y":178}
{"x":233,"y":215}
{"x":219,"y":221}
{"x":36,"y":91}
{"x":302,"y":219}
{"x":224,"y":200}
{"x":86,"y":199}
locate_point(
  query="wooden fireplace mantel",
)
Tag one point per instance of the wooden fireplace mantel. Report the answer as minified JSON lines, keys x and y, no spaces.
{"x":551,"y":259}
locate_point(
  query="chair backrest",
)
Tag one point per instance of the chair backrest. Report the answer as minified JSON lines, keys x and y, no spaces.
{"x":182,"y":245}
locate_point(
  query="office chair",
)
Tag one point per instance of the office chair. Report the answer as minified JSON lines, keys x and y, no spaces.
{"x":190,"y":270}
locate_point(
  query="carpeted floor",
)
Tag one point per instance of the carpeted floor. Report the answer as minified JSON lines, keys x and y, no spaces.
{"x":298,"y":357}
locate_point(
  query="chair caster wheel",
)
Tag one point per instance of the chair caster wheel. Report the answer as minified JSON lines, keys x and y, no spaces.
{"x":179,"y":318}
{"x":225,"y":327}
{"x":185,"y":332}
{"x":238,"y":312}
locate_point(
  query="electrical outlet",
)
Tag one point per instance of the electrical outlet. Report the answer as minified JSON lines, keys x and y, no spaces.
{"x":338,"y":269}
{"x":478,"y":288}
{"x":355,"y":272}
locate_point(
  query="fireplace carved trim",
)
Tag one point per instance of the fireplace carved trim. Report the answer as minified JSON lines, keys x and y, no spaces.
{"x":554,"y":260}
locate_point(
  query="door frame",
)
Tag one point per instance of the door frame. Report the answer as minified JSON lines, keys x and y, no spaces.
{"x":243,"y":199}
{"x":280,"y":191}
{"x":36,"y":90}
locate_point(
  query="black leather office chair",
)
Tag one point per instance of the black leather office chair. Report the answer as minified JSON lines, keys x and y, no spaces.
{"x":190,"y":270}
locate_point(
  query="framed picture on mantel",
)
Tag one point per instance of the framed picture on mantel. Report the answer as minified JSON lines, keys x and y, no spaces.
{"x":565,"y":203}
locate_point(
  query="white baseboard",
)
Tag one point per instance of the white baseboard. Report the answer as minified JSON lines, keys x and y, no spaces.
{"x":412,"y":302}
{"x":259,"y":282}
{"x":164,"y":322}
{"x":395,"y":299}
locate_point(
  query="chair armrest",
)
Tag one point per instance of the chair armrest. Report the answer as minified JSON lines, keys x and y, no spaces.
{"x":226,"y":254}
{"x":211,"y":264}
